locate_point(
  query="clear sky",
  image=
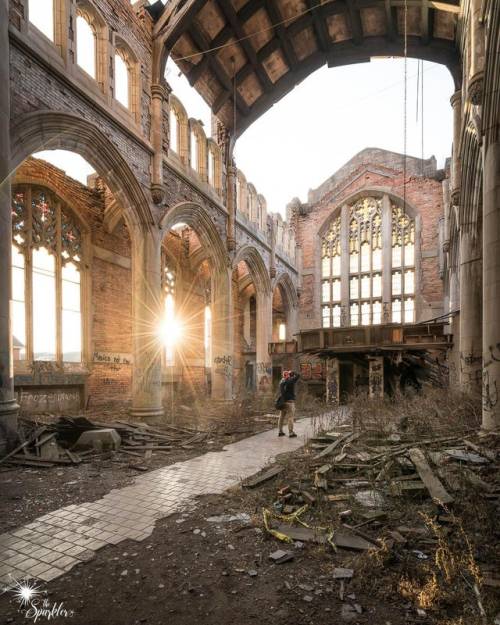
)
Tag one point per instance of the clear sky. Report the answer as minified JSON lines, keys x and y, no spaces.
{"x":330,"y":117}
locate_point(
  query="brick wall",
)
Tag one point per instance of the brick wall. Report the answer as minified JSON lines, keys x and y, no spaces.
{"x":423,"y":193}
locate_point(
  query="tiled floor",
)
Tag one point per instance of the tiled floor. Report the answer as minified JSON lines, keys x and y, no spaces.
{"x":56,"y":542}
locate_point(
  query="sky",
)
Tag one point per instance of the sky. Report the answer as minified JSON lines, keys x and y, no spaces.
{"x":332,"y":115}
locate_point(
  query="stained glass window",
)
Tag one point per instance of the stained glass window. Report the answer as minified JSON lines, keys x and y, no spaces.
{"x":47,"y":253}
{"x":364,"y":246}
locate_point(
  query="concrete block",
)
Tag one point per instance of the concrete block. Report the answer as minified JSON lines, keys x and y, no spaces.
{"x":99,"y":439}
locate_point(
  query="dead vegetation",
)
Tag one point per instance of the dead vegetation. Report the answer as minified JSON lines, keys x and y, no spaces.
{"x":406,"y":495}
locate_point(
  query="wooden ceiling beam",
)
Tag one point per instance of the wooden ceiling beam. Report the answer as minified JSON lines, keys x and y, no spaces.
{"x":231,"y":16}
{"x":320,"y":28}
{"x":354,"y":18}
{"x":276,"y":18}
{"x":201,"y":42}
{"x":426,"y":23}
{"x":390,"y":21}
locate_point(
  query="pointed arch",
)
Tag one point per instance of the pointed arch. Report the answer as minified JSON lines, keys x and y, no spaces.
{"x":198,"y":218}
{"x":256,"y":267}
{"x":51,"y":130}
{"x":285,"y":284}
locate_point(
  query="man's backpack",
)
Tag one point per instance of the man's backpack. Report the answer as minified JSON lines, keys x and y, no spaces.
{"x":280,"y":402}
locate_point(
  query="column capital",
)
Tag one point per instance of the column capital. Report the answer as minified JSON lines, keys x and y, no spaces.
{"x":475,"y":88}
{"x":456,"y":98}
{"x":159,"y":91}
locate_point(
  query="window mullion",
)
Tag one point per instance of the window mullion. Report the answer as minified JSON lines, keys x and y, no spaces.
{"x":28,"y":278}
{"x":59,"y":349}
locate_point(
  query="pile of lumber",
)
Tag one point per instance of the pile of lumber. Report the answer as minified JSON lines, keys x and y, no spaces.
{"x":51,"y":444}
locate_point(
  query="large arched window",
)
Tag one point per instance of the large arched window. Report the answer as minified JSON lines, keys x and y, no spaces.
{"x":122,"y":78}
{"x":41,"y":15}
{"x":174,"y":130}
{"x":47,"y":265}
{"x":170,"y":328}
{"x":357,"y":254}
{"x":86,"y":46}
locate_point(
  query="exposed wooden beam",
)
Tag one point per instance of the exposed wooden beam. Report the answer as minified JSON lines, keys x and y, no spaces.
{"x":180,"y":21}
{"x":355,"y":23}
{"x":426,"y":26}
{"x":280,"y":30}
{"x":320,"y":29}
{"x":203,"y":44}
{"x":240,"y":34}
{"x":390,"y":20}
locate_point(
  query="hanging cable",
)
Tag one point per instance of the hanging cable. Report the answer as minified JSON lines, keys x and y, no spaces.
{"x":418,"y":89}
{"x":422,"y":116}
{"x":405,"y":98}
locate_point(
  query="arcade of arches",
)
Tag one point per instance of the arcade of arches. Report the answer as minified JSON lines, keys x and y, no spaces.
{"x":166,"y":272}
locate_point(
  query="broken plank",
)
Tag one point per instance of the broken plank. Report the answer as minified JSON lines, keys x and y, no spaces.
{"x":304,"y":534}
{"x":252,"y":482}
{"x":436,"y":489}
{"x":27,"y":442}
{"x":348,"y":540}
{"x":346,"y":438}
{"x":45,"y":439}
{"x":23,"y":462}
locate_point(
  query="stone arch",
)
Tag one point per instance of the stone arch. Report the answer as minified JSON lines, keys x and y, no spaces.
{"x":198,"y":218}
{"x":52,"y":130}
{"x":256,"y":268}
{"x":285,"y":284}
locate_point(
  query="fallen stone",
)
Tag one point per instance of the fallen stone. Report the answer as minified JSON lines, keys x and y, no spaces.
{"x":370,"y":498}
{"x":306,"y":587}
{"x":252,"y":573}
{"x":307,"y":598}
{"x":340,"y":573}
{"x":281,"y":556}
{"x":105,"y":439}
{"x":348,"y":613}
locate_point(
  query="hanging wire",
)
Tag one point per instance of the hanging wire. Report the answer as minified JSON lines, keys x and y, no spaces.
{"x":418,"y":89}
{"x":422,"y":115}
{"x":405,"y":137}
{"x":310,"y":9}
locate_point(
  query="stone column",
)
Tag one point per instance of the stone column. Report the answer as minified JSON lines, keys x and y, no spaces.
{"x":376,"y":377}
{"x":222,"y":336}
{"x":231,"y":172}
{"x":158,"y":98}
{"x":491,"y":287}
{"x":386,"y":259}
{"x":8,"y":404}
{"x":147,"y":322}
{"x":476,"y":73}
{"x":456,"y":103}
{"x":470,"y":312}
{"x":332,"y":381}
{"x":299,"y":259}
{"x":264,"y":369}
{"x":272,"y":233}
{"x":454,"y":305}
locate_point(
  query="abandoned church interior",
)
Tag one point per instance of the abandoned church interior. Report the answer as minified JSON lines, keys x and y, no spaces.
{"x":166,"y":280}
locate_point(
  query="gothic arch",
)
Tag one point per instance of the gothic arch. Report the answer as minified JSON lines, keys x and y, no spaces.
{"x":50,"y":130}
{"x":256,"y":268}
{"x":285,"y":284}
{"x":198,"y":218}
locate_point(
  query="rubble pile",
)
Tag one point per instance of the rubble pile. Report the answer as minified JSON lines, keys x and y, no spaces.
{"x":73,"y":440}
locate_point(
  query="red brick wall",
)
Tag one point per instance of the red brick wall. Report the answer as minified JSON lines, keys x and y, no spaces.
{"x":423,"y":193}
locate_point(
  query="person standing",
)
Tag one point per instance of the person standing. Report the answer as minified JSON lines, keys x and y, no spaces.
{"x":286,"y":402}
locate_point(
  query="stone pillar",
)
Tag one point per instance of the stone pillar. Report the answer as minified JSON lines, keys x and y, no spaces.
{"x":454,"y":305}
{"x":8,"y":404}
{"x":292,"y":322}
{"x":222,"y":336}
{"x":456,"y":103}
{"x":332,"y":382}
{"x":231,"y":172}
{"x":386,"y":259}
{"x":158,"y":98}
{"x":264,"y":369}
{"x":491,"y":288}
{"x":147,"y":322}
{"x":299,"y":259}
{"x":376,"y":377}
{"x":272,"y":264}
{"x":476,"y":73}
{"x":470,"y":312}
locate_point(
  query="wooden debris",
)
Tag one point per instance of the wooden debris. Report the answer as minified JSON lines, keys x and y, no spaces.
{"x":436,"y":490}
{"x":303,"y":534}
{"x":255,"y":481}
{"x":308,"y":497}
{"x":27,"y":442}
{"x":348,"y":540}
{"x":344,"y":439}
